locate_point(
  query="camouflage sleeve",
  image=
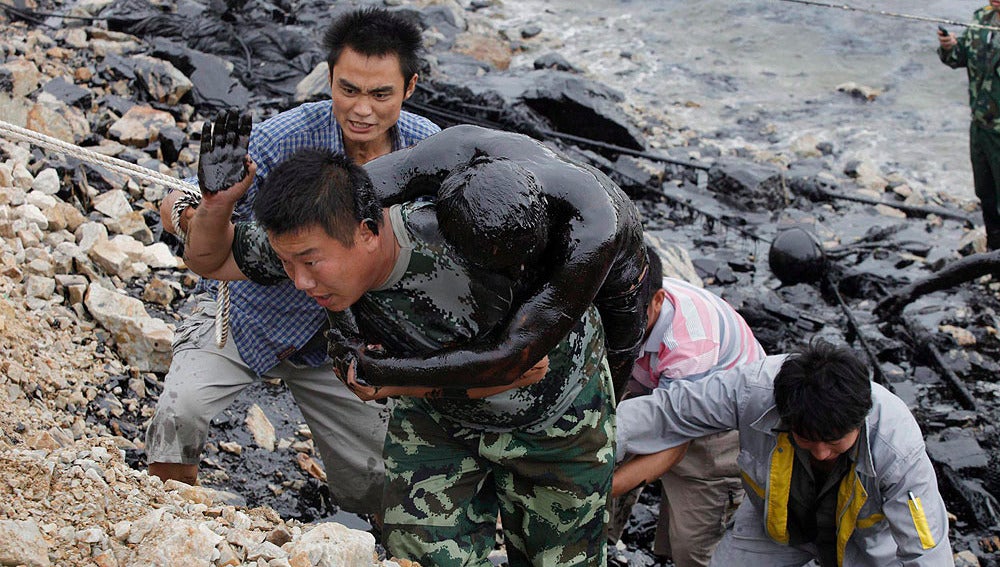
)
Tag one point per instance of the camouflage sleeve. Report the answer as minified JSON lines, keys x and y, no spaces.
{"x":254,"y":255}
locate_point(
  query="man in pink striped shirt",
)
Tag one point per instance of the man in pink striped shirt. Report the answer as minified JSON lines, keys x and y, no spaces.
{"x":690,"y":334}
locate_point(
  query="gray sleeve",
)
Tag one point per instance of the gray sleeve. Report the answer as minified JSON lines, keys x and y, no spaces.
{"x":254,"y":255}
{"x":682,"y":411}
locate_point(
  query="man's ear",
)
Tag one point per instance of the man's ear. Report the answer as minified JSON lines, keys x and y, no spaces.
{"x":410,"y":87}
{"x":658,"y":298}
{"x":367,"y":232}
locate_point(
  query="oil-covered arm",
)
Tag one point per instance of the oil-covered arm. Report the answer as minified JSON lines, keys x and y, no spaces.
{"x":599,"y":234}
{"x":576,"y":269}
{"x":417,"y":171}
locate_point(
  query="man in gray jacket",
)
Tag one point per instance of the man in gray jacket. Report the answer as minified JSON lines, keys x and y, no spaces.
{"x":834,"y":466}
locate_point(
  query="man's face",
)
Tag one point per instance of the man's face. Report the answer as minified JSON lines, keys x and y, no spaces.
{"x":335,"y":275}
{"x":368,"y":93}
{"x":826,"y":451}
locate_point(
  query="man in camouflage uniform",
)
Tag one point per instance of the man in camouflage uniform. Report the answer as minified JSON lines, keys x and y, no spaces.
{"x":978,"y":50}
{"x":540,"y":454}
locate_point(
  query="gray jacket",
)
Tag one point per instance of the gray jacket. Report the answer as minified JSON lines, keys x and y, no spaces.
{"x":889,"y":510}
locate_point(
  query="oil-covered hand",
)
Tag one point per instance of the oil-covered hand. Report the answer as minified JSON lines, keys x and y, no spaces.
{"x":223,"y":160}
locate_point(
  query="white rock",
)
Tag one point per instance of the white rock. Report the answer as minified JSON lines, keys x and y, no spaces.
{"x":6,"y":175}
{"x":112,"y":259}
{"x":39,"y":286}
{"x":22,"y":177}
{"x":260,"y":427}
{"x":47,"y":181}
{"x":332,"y":545}
{"x":266,"y":551}
{"x":39,"y":199}
{"x":178,"y":542}
{"x":89,"y":234}
{"x":32,"y":215}
{"x":130,"y":246}
{"x":159,"y":256}
{"x":113,"y":203}
{"x":317,"y":82}
{"x":23,"y":544}
{"x":144,"y":342}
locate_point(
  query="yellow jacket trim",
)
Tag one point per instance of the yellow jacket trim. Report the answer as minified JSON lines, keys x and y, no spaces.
{"x":920,"y":522}
{"x":851,"y":496}
{"x":870,"y":521}
{"x":753,"y":485}
{"x":779,"y":487}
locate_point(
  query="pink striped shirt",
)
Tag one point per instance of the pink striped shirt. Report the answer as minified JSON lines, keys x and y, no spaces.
{"x":697,"y":333}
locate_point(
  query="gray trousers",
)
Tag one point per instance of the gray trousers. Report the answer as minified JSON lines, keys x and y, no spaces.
{"x":747,"y":544}
{"x":203,"y":380}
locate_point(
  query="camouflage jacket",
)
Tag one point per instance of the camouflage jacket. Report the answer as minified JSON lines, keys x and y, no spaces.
{"x":433,"y":304}
{"x":978,"y":50}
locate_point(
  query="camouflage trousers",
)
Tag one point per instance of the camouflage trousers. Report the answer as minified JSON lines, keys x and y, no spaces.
{"x":445,"y":485}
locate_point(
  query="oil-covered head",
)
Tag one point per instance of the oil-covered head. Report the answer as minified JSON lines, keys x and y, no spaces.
{"x":797,"y":257}
{"x":494,"y":213}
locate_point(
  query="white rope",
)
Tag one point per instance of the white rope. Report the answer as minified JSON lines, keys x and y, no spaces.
{"x":189,"y":197}
{"x":893,"y":14}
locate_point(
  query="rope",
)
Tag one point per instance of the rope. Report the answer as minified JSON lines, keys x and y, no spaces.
{"x":189,"y":197}
{"x":892,"y":14}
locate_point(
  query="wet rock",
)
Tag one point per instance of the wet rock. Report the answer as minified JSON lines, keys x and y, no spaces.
{"x":554,"y":61}
{"x":69,"y":93}
{"x":530,"y":31}
{"x":747,"y":185}
{"x":161,"y":80}
{"x":213,"y":85}
{"x":959,"y":453}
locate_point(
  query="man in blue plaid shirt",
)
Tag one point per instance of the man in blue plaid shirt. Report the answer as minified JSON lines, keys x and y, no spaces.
{"x":276,"y":331}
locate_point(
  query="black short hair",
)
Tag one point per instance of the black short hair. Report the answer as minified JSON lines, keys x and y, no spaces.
{"x":494,"y":200}
{"x":654,"y":276}
{"x":316,"y":187}
{"x":376,"y":32}
{"x":823,"y":392}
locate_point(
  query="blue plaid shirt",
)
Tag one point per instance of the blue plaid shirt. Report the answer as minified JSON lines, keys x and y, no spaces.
{"x":270,"y":323}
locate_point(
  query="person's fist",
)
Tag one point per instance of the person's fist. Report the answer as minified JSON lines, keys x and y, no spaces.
{"x":947,"y":40}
